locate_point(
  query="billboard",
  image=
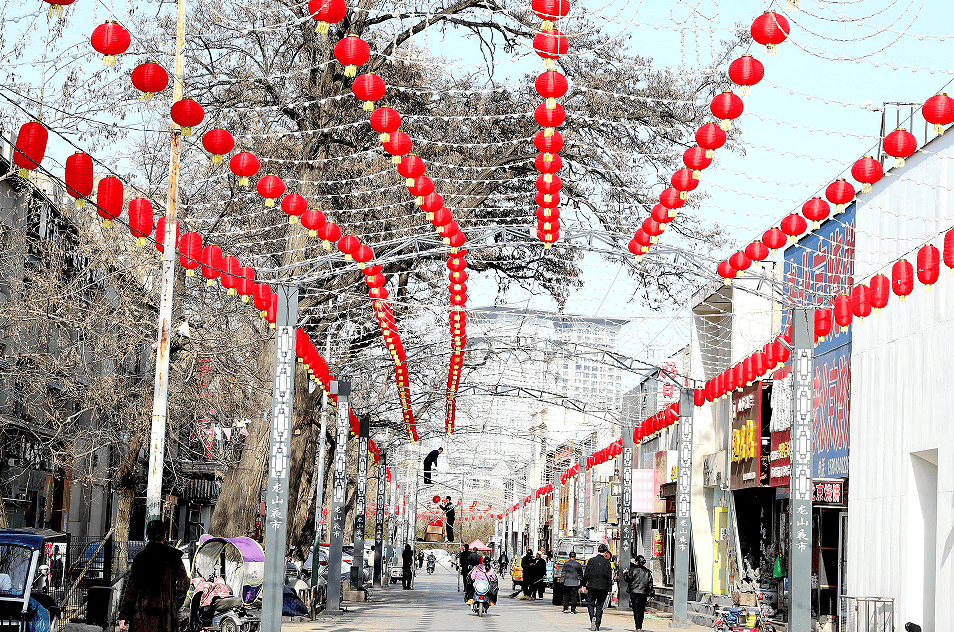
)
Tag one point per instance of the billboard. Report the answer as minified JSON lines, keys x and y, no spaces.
{"x":780,"y":460}
{"x":746,"y":436}
{"x":644,"y":491}
{"x":832,"y":388}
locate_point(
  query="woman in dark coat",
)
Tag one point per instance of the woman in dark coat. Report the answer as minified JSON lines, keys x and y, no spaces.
{"x":407,"y":569}
{"x":528,"y":568}
{"x":157,"y":586}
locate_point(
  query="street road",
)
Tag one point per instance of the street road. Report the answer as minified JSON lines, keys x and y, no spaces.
{"x":435,"y":606}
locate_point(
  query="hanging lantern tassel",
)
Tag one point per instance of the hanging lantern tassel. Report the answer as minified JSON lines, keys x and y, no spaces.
{"x":548,"y":131}
{"x":791,"y":5}
{"x":551,"y":103}
{"x":322,"y":28}
{"x":351,"y":70}
{"x":548,"y":177}
{"x":898,"y":162}
{"x":725,"y":125}
{"x":546,"y":25}
{"x":325,"y":244}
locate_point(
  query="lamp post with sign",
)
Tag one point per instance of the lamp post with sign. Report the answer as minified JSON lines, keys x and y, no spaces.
{"x":800,"y":505}
{"x":342,"y":388}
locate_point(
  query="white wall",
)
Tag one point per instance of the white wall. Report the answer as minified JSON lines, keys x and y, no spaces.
{"x":903,"y":404}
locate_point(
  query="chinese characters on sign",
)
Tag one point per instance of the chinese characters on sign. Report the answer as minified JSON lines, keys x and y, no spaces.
{"x":644,"y":491}
{"x":830,"y":492}
{"x":746,"y":436}
{"x":780,"y":460}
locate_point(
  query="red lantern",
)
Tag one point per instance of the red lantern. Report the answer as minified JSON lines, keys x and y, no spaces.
{"x":547,"y":215}
{"x":411,"y":167}
{"x":902,"y":278}
{"x":442,"y":217}
{"x":140,"y":219}
{"x":822,"y":323}
{"x":347,"y":245}
{"x":710,"y":137}
{"x":551,"y":85}
{"x":547,"y":199}
{"x":294,"y":205}
{"x":757,"y":251}
{"x":641,"y":238}
{"x":30,"y":147}
{"x":109,"y":199}
{"x":725,"y":107}
{"x":399,"y":144}
{"x":554,"y":185}
{"x":79,"y":177}
{"x":326,"y":13}
{"x":161,"y":234}
{"x":385,"y":121}
{"x":748,"y":370}
{"x":860,"y":306}
{"x":218,"y":142}
{"x":419,"y":187}
{"x":246,"y":282}
{"x":699,"y":396}
{"x":244,"y":165}
{"x":683,"y":181}
{"x":726,"y":271}
{"x":880,"y":291}
{"x":746,"y":71}
{"x":653,"y":228}
{"x":794,"y":225}
{"x":782,"y":353}
{"x":190,"y":252}
{"x":456,"y":240}
{"x":368,"y":88}
{"x":110,"y":39}
{"x":770,"y":29}
{"x":550,"y":11}
{"x":842,"y":310}
{"x":548,"y":167}
{"x":740,"y":261}
{"x":550,"y":44}
{"x":738,"y":375}
{"x":229,"y":276}
{"x":867,"y":171}
{"x":212,"y":263}
{"x":328,"y":233}
{"x":928,"y":265}
{"x":433,"y":202}
{"x":549,"y":145}
{"x":661,"y":214}
{"x":695,"y":158}
{"x":774,"y":239}
{"x":840,"y":193}
{"x":769,"y":352}
{"x":949,"y":250}
{"x":149,"y":78}
{"x":816,"y":210}
{"x":901,"y":144}
{"x":313,"y":219}
{"x":270,"y":187}
{"x":672,"y":199}
{"x":939,"y":111}
{"x":262,"y":298}
{"x":549,"y":118}
{"x":351,"y":51}
{"x":635,"y":248}
{"x":187,"y":114}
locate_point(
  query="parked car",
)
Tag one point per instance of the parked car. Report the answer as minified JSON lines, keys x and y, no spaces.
{"x":95,"y":573}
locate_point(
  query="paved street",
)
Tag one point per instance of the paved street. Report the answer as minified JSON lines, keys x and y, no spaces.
{"x":436,"y":606}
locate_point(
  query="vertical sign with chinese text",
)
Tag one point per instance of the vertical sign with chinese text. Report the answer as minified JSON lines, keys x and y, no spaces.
{"x":746,"y":436}
{"x":381,"y":487}
{"x":626,"y":509}
{"x":276,"y":495}
{"x":360,"y":504}
{"x":800,"y":505}
{"x":338,"y":482}
{"x":680,"y":604}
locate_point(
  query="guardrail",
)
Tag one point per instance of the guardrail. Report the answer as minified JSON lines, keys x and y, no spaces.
{"x":865,"y":614}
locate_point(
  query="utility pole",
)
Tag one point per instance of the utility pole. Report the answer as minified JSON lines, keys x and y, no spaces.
{"x":625,"y":508}
{"x":276,"y":496}
{"x":581,"y":489}
{"x":800,"y":558}
{"x":680,"y":601}
{"x":342,"y":388}
{"x":160,"y":398}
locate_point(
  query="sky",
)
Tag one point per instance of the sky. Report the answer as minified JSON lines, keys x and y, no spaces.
{"x":817,"y":110}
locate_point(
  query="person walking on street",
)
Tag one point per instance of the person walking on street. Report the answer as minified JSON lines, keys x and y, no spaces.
{"x":450,"y":515}
{"x":540,"y":574}
{"x":503,"y":562}
{"x":572,"y":575}
{"x":430,"y":462}
{"x":420,"y":559}
{"x":526,"y":564}
{"x":597,"y":580}
{"x":639,"y":585}
{"x":157,"y":586}
{"x":407,"y":568}
{"x":468,"y":560}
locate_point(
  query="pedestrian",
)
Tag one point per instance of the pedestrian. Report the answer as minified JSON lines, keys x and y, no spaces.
{"x":157,"y":586}
{"x":571,"y":574}
{"x":450,"y":515}
{"x":407,"y":568}
{"x":503,"y":562}
{"x":540,"y":574}
{"x":639,"y":585}
{"x":529,"y":571}
{"x":468,"y":561}
{"x":597,"y":581}
{"x":430,"y":462}
{"x":420,"y":559}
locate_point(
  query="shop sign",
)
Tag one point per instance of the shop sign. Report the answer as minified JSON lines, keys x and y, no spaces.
{"x":746,"y":436}
{"x":669,"y":392}
{"x":832,"y":387}
{"x":659,"y":542}
{"x":830,"y":493}
{"x":780,"y":460}
{"x":644,"y":491}
{"x":665,"y":468}
{"x":713,"y":469}
{"x":820,"y":266}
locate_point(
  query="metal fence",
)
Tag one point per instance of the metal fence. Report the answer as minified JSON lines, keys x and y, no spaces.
{"x":866,"y":614}
{"x":86,"y":563}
